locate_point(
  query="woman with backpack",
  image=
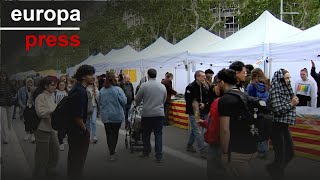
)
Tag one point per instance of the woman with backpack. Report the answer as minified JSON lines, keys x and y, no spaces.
{"x":26,"y":105}
{"x":47,"y":145}
{"x":258,"y":87}
{"x":59,"y":94}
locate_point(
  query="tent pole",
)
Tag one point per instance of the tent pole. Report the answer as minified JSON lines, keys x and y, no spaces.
{"x":270,"y":68}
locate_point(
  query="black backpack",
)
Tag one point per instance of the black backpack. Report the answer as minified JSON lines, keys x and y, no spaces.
{"x":61,"y":117}
{"x":31,"y":112}
{"x":257,"y":114}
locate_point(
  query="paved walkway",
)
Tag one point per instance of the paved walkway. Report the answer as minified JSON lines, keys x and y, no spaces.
{"x":18,"y":160}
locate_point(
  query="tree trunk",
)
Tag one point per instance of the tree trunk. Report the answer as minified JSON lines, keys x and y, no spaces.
{"x":174,"y":39}
{"x":194,"y":5}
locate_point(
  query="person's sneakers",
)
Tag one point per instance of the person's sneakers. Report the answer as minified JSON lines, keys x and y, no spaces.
{"x":33,"y":139}
{"x":262,"y":155}
{"x":142,"y":155}
{"x":52,"y":172}
{"x":191,"y":149}
{"x":95,"y":140}
{"x":204,"y":153}
{"x":61,"y":147}
{"x":113,"y":157}
{"x":274,"y":171}
{"x":27,"y":137}
{"x":159,"y":160}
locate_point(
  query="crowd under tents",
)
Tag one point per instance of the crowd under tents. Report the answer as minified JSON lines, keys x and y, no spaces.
{"x":266,"y":42}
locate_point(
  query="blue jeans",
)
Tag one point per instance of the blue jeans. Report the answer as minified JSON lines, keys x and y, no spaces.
{"x":215,"y":167}
{"x":14,"y":112}
{"x":263,"y":146}
{"x":91,"y":123}
{"x":197,"y":133}
{"x":154,"y":124}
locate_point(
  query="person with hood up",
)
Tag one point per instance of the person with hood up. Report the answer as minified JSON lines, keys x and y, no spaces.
{"x":283,"y":103}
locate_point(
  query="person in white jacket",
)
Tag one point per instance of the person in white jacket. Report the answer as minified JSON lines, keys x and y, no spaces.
{"x":306,"y":90}
{"x":94,"y":91}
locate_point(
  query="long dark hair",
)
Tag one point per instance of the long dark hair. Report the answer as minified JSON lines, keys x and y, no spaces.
{"x":257,"y":76}
{"x":4,"y":73}
{"x":110,"y":80}
{"x":46,"y":81}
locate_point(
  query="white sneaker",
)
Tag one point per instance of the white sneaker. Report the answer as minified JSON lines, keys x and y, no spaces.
{"x":62,"y":147}
{"x":26,"y":138}
{"x":65,"y":141}
{"x":33,"y":139}
{"x":94,"y":139}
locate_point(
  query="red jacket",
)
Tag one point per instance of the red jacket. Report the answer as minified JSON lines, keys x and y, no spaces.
{"x":212,"y":124}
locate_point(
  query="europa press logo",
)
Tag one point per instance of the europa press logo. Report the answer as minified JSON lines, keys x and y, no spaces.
{"x":43,"y":17}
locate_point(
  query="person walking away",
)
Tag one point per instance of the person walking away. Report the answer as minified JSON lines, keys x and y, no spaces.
{"x":16,"y":87}
{"x":238,"y":145}
{"x":167,"y":82}
{"x":112,"y":101}
{"x":127,"y":87}
{"x":153,"y":94}
{"x":59,"y":94}
{"x":47,"y":145}
{"x":7,"y":100}
{"x":26,"y":105}
{"x":259,"y":88}
{"x":306,"y":90}
{"x":78,"y":134}
{"x":283,"y":102}
{"x":215,"y":168}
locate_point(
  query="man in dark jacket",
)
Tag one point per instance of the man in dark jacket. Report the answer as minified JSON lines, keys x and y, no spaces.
{"x":78,"y":134}
{"x":199,"y":97}
{"x":127,"y":87}
{"x":167,"y":82}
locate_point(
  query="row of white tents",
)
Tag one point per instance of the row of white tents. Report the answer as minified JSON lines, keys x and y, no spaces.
{"x":268,"y":42}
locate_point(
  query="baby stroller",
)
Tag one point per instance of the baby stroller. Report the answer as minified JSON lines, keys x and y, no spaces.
{"x":134,"y":129}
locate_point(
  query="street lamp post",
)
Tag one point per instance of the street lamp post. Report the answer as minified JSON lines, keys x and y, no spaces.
{"x":282,"y":13}
{"x":281,"y":10}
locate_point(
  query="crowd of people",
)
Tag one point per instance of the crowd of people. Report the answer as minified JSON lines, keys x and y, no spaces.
{"x":208,"y":98}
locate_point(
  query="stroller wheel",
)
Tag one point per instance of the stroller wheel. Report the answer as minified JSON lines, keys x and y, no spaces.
{"x":126,"y":143}
{"x":131,"y":148}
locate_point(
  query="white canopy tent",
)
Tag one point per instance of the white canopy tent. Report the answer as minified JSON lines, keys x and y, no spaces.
{"x":294,"y":53}
{"x":304,"y":45}
{"x":117,"y":56}
{"x":173,"y":56}
{"x":264,"y":30}
{"x":250,"y":44}
{"x":156,"y":49}
{"x":72,"y":70}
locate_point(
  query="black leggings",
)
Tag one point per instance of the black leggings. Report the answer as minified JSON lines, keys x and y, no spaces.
{"x":282,"y":144}
{"x":112,"y":132}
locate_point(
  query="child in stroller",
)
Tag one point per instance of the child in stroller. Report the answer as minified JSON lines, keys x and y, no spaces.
{"x":134,"y":129}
